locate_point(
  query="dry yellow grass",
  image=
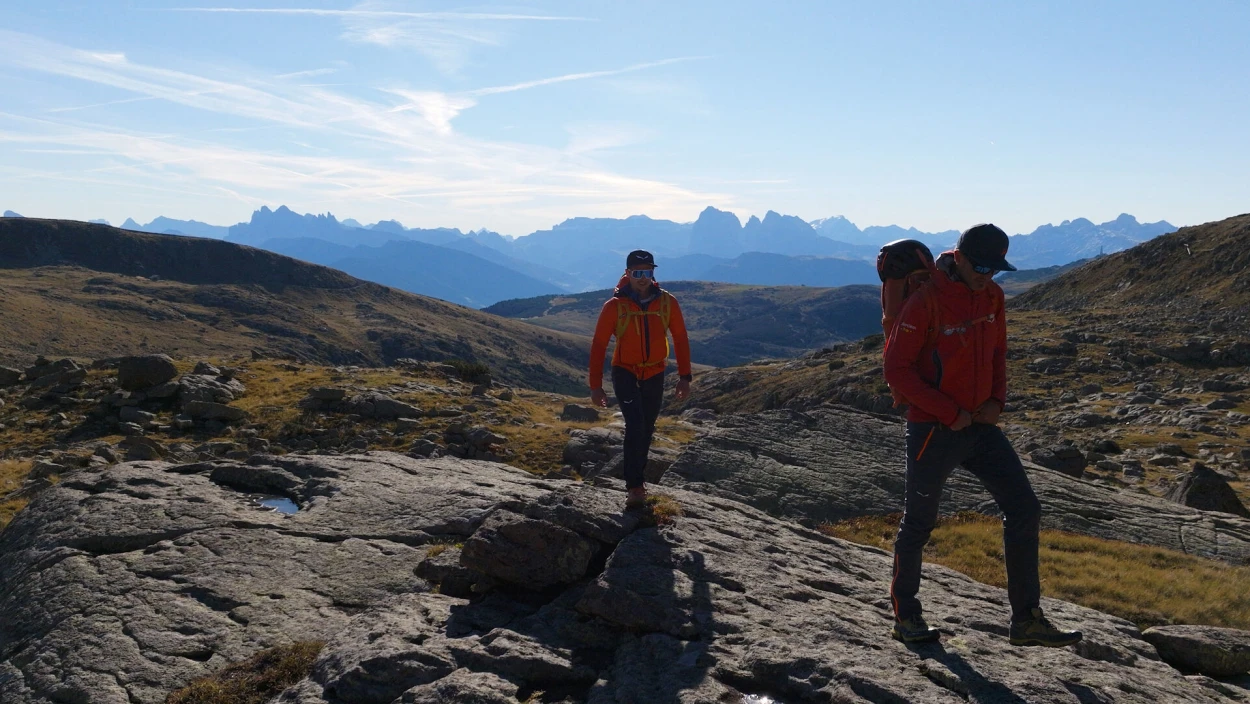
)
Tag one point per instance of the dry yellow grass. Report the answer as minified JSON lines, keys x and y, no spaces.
{"x":664,"y":509}
{"x":1146,"y":585}
{"x":253,"y":681}
{"x":12,"y":473}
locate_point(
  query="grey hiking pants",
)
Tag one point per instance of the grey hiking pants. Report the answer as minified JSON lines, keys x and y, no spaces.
{"x":933,"y":452}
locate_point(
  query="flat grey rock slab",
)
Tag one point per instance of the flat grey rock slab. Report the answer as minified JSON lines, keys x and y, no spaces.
{"x":1218,"y":652}
{"x":122,"y":584}
{"x":834,"y":463}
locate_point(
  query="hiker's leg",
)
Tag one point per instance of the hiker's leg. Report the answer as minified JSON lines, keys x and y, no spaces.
{"x":629,"y":394}
{"x":932,"y":452}
{"x":998,"y":467}
{"x":652,"y":390}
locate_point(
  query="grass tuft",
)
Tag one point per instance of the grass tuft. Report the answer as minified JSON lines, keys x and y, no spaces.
{"x":1147,"y":585}
{"x":664,"y":509}
{"x":12,"y":473}
{"x":255,"y":680}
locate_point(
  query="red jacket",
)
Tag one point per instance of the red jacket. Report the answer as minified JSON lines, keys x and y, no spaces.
{"x":966,"y":365}
{"x":642,"y":346}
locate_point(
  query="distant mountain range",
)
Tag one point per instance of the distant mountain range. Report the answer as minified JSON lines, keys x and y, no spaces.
{"x":478,"y":268}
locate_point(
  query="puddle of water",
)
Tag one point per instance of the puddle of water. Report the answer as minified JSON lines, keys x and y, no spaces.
{"x":281,"y":504}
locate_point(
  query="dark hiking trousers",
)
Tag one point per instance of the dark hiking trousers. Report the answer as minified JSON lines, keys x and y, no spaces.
{"x":933,"y":451}
{"x":640,"y":406}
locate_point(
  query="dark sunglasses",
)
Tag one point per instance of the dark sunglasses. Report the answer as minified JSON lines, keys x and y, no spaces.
{"x":641,"y":273}
{"x":984,"y":269}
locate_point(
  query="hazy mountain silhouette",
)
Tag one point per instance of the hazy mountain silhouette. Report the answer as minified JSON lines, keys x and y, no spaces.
{"x":11,"y":214}
{"x":768,"y":269}
{"x":418,"y":267}
{"x":589,"y":253}
{"x":1052,"y":245}
{"x":283,"y":223}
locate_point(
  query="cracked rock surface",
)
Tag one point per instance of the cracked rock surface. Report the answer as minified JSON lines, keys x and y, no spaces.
{"x":122,"y":584}
{"x":830,"y":464}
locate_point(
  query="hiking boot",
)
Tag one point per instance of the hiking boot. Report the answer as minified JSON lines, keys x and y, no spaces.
{"x":637,"y":498}
{"x":914,"y":630}
{"x":1038,"y":631}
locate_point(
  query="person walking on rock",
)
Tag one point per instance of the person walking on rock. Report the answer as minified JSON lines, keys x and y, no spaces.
{"x":640,"y":315}
{"x":946,"y":357}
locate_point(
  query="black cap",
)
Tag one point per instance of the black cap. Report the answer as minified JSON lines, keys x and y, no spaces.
{"x":639,"y":257}
{"x":986,"y":245}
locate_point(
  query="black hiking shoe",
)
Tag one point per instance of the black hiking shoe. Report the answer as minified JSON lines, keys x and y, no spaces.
{"x":1039,"y":631}
{"x":914,"y":630}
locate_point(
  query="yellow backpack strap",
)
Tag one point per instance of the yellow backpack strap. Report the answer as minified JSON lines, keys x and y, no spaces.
{"x":665,"y":307}
{"x":622,"y":317}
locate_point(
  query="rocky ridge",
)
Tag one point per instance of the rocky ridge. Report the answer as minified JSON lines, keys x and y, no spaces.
{"x":831,"y":464}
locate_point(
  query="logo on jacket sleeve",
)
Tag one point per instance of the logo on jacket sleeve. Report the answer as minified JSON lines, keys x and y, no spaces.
{"x":907,"y":327}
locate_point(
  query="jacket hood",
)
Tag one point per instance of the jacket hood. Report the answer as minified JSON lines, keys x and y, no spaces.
{"x":622,"y":287}
{"x":945,"y":276}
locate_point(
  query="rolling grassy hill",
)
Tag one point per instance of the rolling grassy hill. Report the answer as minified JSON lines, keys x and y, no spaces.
{"x":729,"y":323}
{"x":92,"y":291}
{"x":1194,"y":268}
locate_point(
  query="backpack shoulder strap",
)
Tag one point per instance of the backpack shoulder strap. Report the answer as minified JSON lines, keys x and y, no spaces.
{"x":666,"y":309}
{"x":622,"y":317}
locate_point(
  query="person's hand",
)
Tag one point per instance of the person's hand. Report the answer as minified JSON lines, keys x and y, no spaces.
{"x":683,"y":390}
{"x":598,"y":398}
{"x":988,"y":413}
{"x":963,"y":421}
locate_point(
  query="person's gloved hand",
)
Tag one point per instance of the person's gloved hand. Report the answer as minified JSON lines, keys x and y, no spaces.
{"x":598,"y":398}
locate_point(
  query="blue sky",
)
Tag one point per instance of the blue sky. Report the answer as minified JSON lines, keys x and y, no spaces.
{"x":515,"y":117}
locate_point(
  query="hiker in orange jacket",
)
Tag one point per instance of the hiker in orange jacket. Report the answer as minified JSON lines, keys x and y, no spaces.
{"x":639,"y":315}
{"x":946,"y":355}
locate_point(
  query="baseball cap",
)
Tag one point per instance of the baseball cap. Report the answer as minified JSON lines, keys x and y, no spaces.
{"x":986,"y":245}
{"x":639,"y":257}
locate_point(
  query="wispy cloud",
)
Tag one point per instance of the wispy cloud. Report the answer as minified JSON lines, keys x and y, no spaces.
{"x":580,"y":76}
{"x":439,"y":109}
{"x":389,"y":14}
{"x":382,"y":151}
{"x":444,"y":37}
{"x":308,"y":74}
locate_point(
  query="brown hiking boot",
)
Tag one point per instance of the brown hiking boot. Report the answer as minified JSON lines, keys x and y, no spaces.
{"x":637,"y":498}
{"x":1038,"y":631}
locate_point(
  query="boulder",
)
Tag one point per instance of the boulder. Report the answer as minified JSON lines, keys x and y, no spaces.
{"x":214,"y":389}
{"x":580,"y":414}
{"x":207,"y":410}
{"x":1212,"y":651}
{"x":1061,"y":458}
{"x":529,"y":553}
{"x":1207,"y":490}
{"x":379,"y":406}
{"x":9,"y":377}
{"x":327,"y":393}
{"x":141,"y":371}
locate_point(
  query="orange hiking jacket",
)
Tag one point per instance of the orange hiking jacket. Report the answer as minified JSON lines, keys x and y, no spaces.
{"x":642,"y":347}
{"x":961,"y":364}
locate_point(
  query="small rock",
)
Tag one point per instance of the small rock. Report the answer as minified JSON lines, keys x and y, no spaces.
{"x":9,"y":377}
{"x":1164,"y":461}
